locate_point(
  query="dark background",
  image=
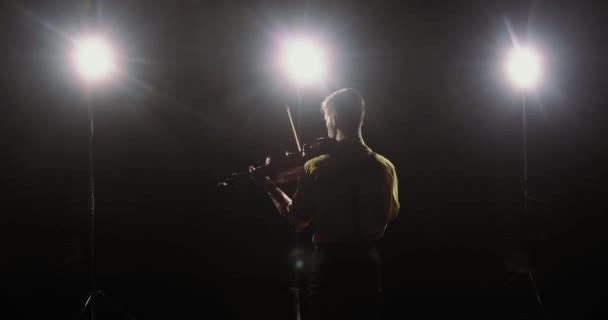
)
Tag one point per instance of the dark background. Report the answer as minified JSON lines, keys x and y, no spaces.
{"x":200,"y":96}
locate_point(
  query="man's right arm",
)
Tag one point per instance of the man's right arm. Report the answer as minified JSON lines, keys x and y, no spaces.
{"x":394,"y":189}
{"x":280,"y":199}
{"x":297,"y":209}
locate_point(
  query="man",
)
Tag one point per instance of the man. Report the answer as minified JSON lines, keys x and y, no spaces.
{"x":349,"y":195}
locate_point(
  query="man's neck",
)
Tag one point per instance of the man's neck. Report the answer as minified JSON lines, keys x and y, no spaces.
{"x":340,"y":136}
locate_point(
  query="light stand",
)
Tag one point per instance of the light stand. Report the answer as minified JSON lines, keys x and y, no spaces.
{"x":91,"y":172}
{"x":526,"y":197}
{"x":94,"y":61}
{"x":524,"y":70}
{"x":525,"y":145}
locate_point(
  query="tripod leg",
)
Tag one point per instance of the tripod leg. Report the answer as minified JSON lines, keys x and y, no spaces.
{"x":540,"y":303}
{"x":112,"y":304}
{"x":86,"y":304}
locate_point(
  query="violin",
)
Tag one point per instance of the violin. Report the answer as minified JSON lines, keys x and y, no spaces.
{"x":282,"y":167}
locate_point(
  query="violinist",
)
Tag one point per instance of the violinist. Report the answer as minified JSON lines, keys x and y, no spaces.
{"x":349,"y":195}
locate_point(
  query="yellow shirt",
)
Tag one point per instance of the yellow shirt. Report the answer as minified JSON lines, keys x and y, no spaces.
{"x":349,"y":195}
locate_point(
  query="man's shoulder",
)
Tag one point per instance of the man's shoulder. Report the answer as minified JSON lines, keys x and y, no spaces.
{"x":315,"y":162}
{"x":326,"y":160}
{"x":384,"y":161}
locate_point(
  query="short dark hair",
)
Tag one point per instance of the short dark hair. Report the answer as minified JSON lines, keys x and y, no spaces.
{"x":347,"y":104}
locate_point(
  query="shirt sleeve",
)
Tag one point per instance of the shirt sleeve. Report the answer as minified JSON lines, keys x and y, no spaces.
{"x":300,"y":210}
{"x":394,"y":184}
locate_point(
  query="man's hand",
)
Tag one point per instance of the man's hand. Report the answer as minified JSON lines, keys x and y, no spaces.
{"x":258,"y":174}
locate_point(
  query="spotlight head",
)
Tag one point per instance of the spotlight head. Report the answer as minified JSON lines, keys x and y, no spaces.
{"x":94,"y":58}
{"x":304,"y":61}
{"x":523,"y":67}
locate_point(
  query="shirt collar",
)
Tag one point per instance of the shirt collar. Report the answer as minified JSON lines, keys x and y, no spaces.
{"x":350,"y":144}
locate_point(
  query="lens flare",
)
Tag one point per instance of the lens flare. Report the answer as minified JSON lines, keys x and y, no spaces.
{"x":299,"y":264}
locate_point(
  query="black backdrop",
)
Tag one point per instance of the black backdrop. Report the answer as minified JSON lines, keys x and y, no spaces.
{"x":200,"y":96}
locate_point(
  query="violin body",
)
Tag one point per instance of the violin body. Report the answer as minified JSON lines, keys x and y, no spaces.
{"x":284,"y":167}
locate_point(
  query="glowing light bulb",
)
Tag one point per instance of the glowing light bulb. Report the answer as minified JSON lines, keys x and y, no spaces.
{"x":523,"y":67}
{"x":94,"y":59}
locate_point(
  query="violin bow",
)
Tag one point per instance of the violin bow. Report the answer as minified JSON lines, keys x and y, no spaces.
{"x":293,"y":128}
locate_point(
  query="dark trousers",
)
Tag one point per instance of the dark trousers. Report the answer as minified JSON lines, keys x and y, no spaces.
{"x":345,"y":282}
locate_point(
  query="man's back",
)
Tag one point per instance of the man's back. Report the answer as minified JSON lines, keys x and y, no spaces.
{"x":349,"y":194}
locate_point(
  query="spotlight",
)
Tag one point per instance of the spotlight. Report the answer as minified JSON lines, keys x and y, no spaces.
{"x":94,"y":61}
{"x":523,"y":67}
{"x":304,"y":61}
{"x":94,"y":58}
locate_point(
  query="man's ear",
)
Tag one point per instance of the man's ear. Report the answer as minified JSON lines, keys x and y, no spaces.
{"x":333,"y":121}
{"x":330,"y":121}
